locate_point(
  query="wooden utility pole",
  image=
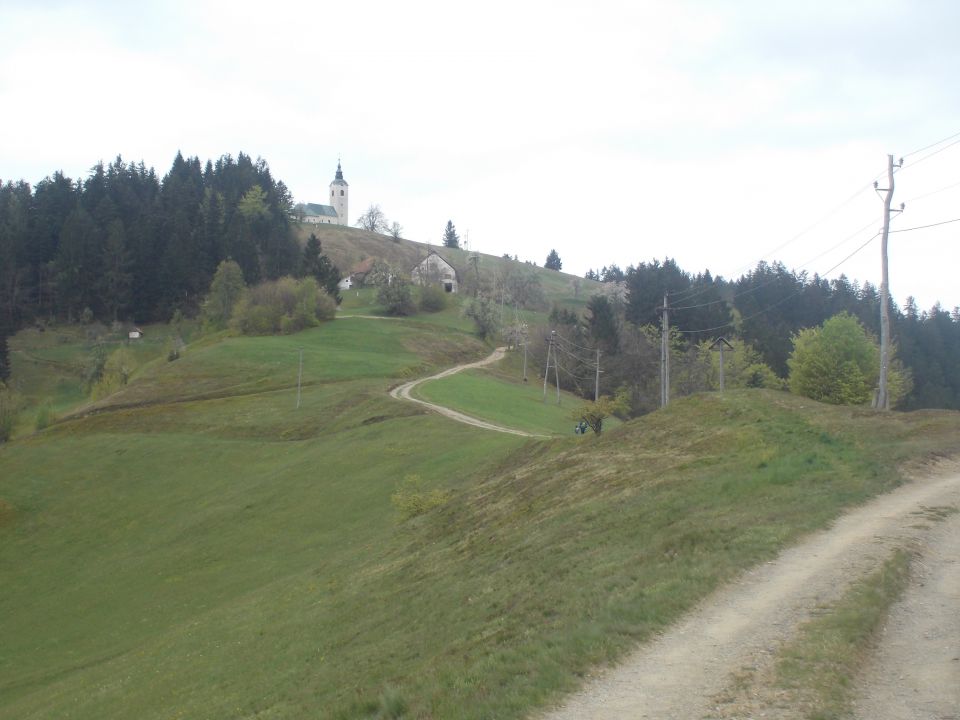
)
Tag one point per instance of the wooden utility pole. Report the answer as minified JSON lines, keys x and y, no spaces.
{"x":524,"y":359}
{"x":299,"y":378}
{"x":596,"y":387}
{"x":882,"y":400}
{"x":665,"y":353}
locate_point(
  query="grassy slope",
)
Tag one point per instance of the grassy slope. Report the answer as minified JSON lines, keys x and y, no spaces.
{"x":232,"y":557}
{"x":348,"y":246}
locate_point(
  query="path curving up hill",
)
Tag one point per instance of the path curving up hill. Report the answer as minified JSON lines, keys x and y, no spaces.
{"x":402,"y":392}
{"x":678,"y":674}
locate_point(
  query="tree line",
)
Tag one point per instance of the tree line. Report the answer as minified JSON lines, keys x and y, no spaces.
{"x":127,"y":244}
{"x":765,"y":309}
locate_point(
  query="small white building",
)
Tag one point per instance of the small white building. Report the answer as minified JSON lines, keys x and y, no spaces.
{"x":135,"y":334}
{"x":345,"y":283}
{"x":434,"y":269}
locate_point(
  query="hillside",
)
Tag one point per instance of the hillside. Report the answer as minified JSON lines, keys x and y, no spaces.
{"x":347,"y":246}
{"x":199,"y":547}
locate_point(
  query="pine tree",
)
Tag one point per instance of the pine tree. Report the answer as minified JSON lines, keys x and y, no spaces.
{"x":553,"y":261}
{"x":450,"y":237}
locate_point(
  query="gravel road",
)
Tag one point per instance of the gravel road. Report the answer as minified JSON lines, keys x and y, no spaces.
{"x":742,"y":625}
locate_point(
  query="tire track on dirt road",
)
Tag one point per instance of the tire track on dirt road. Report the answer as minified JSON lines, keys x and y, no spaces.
{"x":677,"y":674}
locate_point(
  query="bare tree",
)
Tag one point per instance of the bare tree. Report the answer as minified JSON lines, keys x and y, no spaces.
{"x":373,"y":220}
{"x":395,"y":230}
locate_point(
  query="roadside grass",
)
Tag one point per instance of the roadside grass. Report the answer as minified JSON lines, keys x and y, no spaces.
{"x":236,"y":557}
{"x":818,"y":668}
{"x":496,"y":399}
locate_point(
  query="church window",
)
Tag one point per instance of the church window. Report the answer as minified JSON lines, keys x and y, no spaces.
{"x":341,"y":193}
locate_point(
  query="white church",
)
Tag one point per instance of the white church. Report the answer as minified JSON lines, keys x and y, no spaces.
{"x":336,"y":212}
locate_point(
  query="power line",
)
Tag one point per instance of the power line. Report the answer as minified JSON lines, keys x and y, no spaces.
{"x":779,"y":302}
{"x":923,"y":227}
{"x":934,"y":192}
{"x":927,"y":147}
{"x":773,"y":280}
{"x":692,"y":293}
{"x":935,"y":152}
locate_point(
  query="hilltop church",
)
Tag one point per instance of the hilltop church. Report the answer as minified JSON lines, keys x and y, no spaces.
{"x":336,"y":212}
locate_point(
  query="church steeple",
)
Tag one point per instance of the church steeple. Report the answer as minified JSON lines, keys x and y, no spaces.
{"x":339,"y":196}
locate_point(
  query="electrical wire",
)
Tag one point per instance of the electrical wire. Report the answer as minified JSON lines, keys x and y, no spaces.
{"x":692,"y":293}
{"x":773,"y":280}
{"x":781,"y":300}
{"x":923,"y":227}
{"x":934,"y":192}
{"x":930,"y":155}
{"x":927,"y":147}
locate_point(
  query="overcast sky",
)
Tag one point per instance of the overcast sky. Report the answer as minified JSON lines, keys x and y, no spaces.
{"x":716,"y":133}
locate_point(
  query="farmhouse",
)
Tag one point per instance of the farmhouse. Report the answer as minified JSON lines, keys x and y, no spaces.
{"x":434,"y":269}
{"x":336,"y":212}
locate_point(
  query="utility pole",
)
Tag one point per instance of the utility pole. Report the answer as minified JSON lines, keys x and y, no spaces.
{"x":882,"y":400}
{"x":596,"y":387}
{"x":551,"y":350}
{"x":546,"y":371}
{"x":524,"y":359}
{"x":665,"y":353}
{"x":299,"y":378}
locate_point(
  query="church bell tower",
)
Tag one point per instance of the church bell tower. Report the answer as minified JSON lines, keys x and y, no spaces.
{"x":339,"y":195}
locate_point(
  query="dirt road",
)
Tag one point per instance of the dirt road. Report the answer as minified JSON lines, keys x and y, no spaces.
{"x":915,"y":673}
{"x":676,"y":675}
{"x":402,"y":392}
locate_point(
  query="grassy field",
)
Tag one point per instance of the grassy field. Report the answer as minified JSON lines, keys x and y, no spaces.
{"x":498,"y":400}
{"x":227,"y":555}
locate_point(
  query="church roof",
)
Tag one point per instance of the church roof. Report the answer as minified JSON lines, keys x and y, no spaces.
{"x":338,"y":178}
{"x":313,"y":209}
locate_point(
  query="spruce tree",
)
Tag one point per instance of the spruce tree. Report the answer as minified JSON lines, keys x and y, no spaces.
{"x":450,"y":237}
{"x":553,"y":261}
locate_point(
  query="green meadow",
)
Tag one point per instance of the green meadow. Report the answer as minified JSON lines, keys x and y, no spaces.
{"x":197,"y":546}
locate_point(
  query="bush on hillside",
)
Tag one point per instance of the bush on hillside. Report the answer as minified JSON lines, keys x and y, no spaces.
{"x":9,"y":407}
{"x":282,"y":306}
{"x":412,"y":499}
{"x":484,"y":315}
{"x":433,"y":298}
{"x":395,"y":296}
{"x":117,"y":369}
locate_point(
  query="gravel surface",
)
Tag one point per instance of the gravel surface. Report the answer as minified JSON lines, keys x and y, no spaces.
{"x":678,"y":674}
{"x":915,"y":673}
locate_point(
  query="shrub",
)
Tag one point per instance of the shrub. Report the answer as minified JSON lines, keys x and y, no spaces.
{"x":411,"y":499}
{"x":9,"y":407}
{"x":483,"y":313}
{"x":283,"y":306}
{"x":433,"y":298}
{"x":394,"y":295}
{"x":45,"y":417}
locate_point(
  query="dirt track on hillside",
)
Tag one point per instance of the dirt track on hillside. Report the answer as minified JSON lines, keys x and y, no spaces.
{"x":678,"y":674}
{"x":402,"y":392}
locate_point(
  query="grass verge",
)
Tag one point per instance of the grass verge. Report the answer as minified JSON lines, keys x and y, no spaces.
{"x":818,"y":668}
